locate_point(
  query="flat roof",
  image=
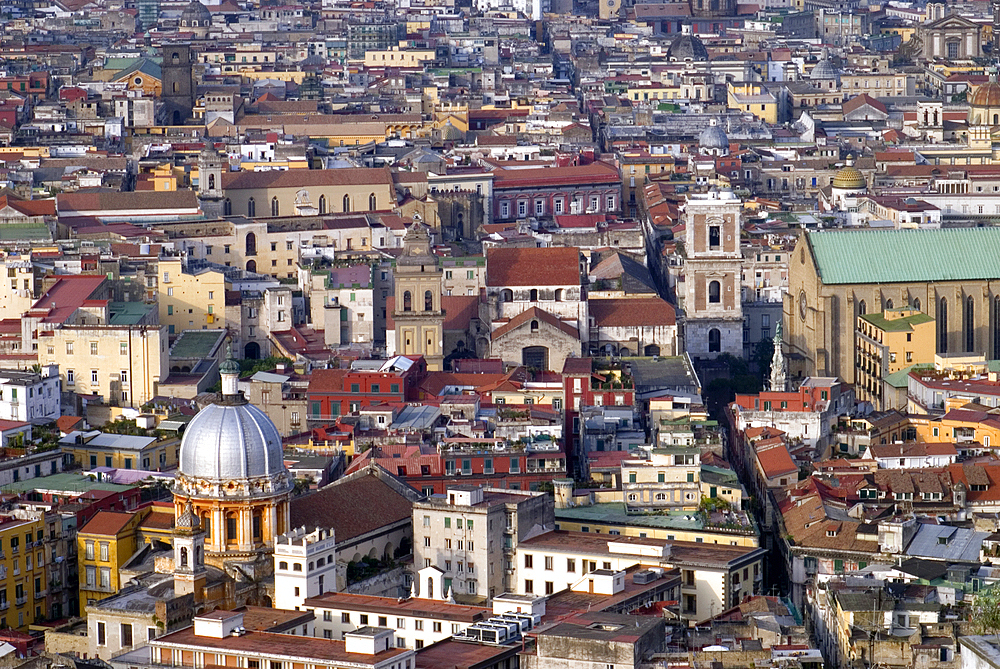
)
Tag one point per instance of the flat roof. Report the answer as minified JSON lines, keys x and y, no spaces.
{"x":414,"y":606}
{"x":281,"y":647}
{"x":196,"y":343}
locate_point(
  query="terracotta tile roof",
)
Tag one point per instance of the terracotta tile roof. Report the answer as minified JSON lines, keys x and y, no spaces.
{"x":532,"y":314}
{"x":775,"y":460}
{"x":327,"y":380}
{"x":595,"y":173}
{"x":632,"y":312}
{"x":66,"y":296}
{"x":352,"y":506}
{"x":532,"y":267}
{"x":71,"y":203}
{"x":862,"y":100}
{"x":107,"y":523}
{"x":413,"y":606}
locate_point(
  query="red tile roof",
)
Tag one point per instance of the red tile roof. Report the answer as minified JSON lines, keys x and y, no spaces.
{"x":532,"y":267}
{"x":632,"y":312}
{"x":595,"y":173}
{"x":67,"y":295}
{"x":107,"y":523}
{"x":775,"y":460}
{"x":532,"y":314}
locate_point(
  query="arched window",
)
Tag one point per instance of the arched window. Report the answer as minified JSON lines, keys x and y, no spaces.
{"x":888,"y":304}
{"x":430,"y":587}
{"x":256,"y":522}
{"x":661,"y":497}
{"x":184,"y":557}
{"x":916,"y":303}
{"x":970,"y":325}
{"x":534,"y":326}
{"x":559,"y":295}
{"x":428,"y":301}
{"x":372,"y":202}
{"x":714,"y":340}
{"x":407,"y":301}
{"x":251,"y":207}
{"x":533,"y":295}
{"x":211,"y":182}
{"x":206,"y":523}
{"x":283,"y":566}
{"x":275,"y":209}
{"x":714,"y":292}
{"x":175,"y":58}
{"x":251,"y":265}
{"x":227,"y":207}
{"x":942,"y":317}
{"x":322,"y":204}
{"x":506,"y":295}
{"x":347,"y":203}
{"x":251,"y":244}
{"x":996,"y":327}
{"x":199,"y":556}
{"x":296,"y":566}
{"x":862,"y":308}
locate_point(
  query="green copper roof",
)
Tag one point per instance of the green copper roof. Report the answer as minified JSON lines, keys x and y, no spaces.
{"x":902,"y":256}
{"x":903,"y":324}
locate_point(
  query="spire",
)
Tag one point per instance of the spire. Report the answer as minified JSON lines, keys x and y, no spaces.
{"x":779,"y":366}
{"x":230,"y":373}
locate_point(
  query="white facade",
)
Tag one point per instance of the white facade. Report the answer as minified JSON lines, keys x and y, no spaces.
{"x":305,"y":565}
{"x":704,"y":588}
{"x":25,"y":396}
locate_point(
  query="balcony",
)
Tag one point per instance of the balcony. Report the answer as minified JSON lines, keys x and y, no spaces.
{"x":21,"y":601}
{"x":4,"y":605}
{"x":40,"y":594}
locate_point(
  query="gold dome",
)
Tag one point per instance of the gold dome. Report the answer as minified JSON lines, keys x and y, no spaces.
{"x":986,"y":95}
{"x":850,"y":178}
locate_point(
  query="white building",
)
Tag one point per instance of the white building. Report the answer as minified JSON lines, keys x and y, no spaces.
{"x":305,"y":565}
{"x":26,"y":396}
{"x":417,"y":621}
{"x":714,"y":578}
{"x":912,"y":455}
{"x":471,"y":534}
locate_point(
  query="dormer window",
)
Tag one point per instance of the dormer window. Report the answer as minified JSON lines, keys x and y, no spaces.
{"x":831,"y":533}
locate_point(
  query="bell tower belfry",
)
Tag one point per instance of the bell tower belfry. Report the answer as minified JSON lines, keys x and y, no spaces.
{"x":419,"y":315}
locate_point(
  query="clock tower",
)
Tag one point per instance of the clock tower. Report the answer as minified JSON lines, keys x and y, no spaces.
{"x":418,"y":314}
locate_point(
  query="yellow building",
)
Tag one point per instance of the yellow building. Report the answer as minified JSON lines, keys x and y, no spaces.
{"x":190,"y":300}
{"x":309,"y":192}
{"x":23,"y":581}
{"x":124,"y":364}
{"x":646,"y":92}
{"x":752,"y":97}
{"x":104,"y":544}
{"x":888,"y":342}
{"x":398,"y":56}
{"x":121,"y":451}
{"x":875,"y":84}
{"x":144,"y":76}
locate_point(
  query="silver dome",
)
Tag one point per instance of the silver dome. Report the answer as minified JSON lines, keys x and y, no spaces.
{"x":232,"y":450}
{"x":687,"y":47}
{"x":713,"y":137}
{"x":824,"y":70}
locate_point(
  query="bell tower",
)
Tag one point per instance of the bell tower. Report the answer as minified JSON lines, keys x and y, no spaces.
{"x":419,"y":315}
{"x":189,"y":555}
{"x":210,"y":191}
{"x":713,"y":307}
{"x":177,"y":76}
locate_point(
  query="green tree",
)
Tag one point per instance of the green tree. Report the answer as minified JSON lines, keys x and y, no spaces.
{"x":985,"y":612}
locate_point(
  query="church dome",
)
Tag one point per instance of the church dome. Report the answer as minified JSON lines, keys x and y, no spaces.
{"x":687,"y":47}
{"x":232,"y":449}
{"x":986,"y":95}
{"x":713,"y":137}
{"x":850,"y":178}
{"x":824,"y":70}
{"x":196,"y":15}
